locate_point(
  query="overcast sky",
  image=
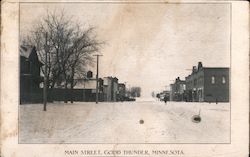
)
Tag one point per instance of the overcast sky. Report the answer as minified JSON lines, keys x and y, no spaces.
{"x":149,"y":45}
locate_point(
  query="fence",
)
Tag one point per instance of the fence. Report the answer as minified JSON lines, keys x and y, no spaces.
{"x":60,"y":95}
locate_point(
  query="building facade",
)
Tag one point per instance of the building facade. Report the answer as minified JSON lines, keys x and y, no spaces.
{"x":208,"y":84}
{"x":110,"y":88}
{"x":177,"y":90}
{"x":30,"y":78}
{"x":88,"y":88}
{"x":121,"y":92}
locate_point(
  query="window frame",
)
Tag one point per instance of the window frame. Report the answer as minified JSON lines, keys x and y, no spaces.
{"x":223,"y":80}
{"x":213,"y":80}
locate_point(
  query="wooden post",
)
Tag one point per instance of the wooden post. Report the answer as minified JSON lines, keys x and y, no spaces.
{"x":97,"y":78}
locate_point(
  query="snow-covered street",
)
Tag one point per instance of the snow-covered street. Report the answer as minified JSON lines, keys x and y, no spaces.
{"x":142,"y":121}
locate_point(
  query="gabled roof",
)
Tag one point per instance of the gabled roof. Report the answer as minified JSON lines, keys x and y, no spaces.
{"x":29,"y":52}
{"x":26,"y":50}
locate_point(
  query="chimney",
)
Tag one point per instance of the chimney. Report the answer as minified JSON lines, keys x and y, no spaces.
{"x":194,"y":69}
{"x":199,"y":65}
{"x":89,"y":74}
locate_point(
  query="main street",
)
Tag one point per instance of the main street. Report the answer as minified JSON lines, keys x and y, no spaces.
{"x":142,"y":121}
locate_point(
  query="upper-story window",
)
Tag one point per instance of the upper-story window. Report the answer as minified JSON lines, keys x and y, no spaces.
{"x":200,"y":80}
{"x":26,"y":67}
{"x":184,"y":87}
{"x":195,"y":82}
{"x":223,"y":79}
{"x":213,"y":79}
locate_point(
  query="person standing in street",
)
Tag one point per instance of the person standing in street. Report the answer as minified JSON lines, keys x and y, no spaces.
{"x":165,"y":99}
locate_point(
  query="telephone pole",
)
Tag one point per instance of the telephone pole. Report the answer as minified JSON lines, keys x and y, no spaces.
{"x":46,"y":48}
{"x":97,"y":77}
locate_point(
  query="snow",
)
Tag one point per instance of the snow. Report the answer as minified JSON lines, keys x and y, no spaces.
{"x":119,"y":122}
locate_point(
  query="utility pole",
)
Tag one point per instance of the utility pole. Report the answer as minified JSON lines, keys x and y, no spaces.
{"x":45,"y":74}
{"x":97,"y":78}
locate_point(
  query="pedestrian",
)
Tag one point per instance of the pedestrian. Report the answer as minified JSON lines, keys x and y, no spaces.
{"x":165,"y":99}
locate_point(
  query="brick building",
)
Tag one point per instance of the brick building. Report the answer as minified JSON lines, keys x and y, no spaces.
{"x":177,"y":90}
{"x":110,"y":88}
{"x":208,"y":84}
{"x":121,"y":91}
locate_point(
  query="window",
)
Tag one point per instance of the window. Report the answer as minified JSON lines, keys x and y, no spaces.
{"x":200,"y":80}
{"x":27,"y":67}
{"x":223,"y":79}
{"x":213,"y":80}
{"x":195,"y":82}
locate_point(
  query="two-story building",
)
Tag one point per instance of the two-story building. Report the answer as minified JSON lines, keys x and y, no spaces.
{"x":110,"y":88}
{"x":30,"y":78}
{"x":208,"y":84}
{"x":177,"y":90}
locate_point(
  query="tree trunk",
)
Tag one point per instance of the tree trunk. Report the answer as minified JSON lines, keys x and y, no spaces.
{"x":72,"y":84}
{"x":71,"y":92}
{"x":66,"y":93}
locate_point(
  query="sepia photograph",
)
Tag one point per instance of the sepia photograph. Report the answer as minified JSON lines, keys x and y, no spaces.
{"x":124,"y":73}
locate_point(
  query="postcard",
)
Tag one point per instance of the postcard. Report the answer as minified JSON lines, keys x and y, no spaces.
{"x":124,"y":78}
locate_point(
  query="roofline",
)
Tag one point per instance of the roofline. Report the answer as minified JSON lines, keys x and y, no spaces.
{"x":215,"y":68}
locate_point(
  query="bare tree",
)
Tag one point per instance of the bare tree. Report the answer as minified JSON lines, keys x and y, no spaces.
{"x":84,"y":46}
{"x":135,"y":91}
{"x":69,"y":48}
